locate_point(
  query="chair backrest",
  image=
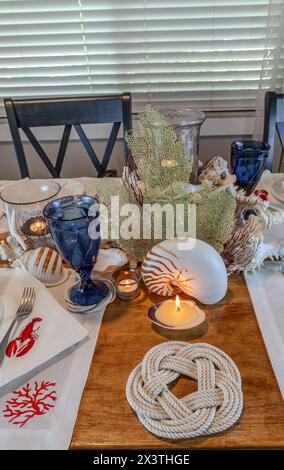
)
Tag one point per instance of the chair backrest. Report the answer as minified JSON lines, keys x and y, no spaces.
{"x":273,"y":113}
{"x":67,"y":111}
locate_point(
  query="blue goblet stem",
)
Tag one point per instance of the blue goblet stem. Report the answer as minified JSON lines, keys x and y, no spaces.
{"x":86,"y":283}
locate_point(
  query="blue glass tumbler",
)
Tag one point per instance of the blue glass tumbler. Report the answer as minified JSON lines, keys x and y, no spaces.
{"x":69,"y":220}
{"x":248,"y":161}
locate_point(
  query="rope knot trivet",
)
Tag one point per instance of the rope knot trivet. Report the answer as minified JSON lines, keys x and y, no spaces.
{"x":214,"y":407}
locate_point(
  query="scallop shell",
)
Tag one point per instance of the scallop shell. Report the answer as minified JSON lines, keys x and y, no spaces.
{"x":109,"y":259}
{"x":45,"y":265}
{"x":199,"y":272}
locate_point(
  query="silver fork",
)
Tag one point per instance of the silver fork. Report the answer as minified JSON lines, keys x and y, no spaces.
{"x":25,"y":308}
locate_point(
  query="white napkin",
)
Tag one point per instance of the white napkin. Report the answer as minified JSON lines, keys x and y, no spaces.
{"x":275,"y":236}
{"x":46,"y":333}
{"x":47,"y":422}
{"x":266,"y":289}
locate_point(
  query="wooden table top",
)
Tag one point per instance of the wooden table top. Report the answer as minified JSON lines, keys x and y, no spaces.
{"x":105,"y":419}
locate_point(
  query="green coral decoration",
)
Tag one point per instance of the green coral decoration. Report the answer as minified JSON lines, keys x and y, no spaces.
{"x":215,"y":209}
{"x":153,"y":149}
{"x":163,"y":174}
{"x":215,"y":216}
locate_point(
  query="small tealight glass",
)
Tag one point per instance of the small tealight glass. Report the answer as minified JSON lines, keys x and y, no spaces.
{"x":27,"y":199}
{"x":127,"y":283}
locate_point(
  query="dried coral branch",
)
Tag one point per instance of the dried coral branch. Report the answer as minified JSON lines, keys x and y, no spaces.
{"x":132,"y":183}
{"x":246,"y":238}
{"x":241,"y":248}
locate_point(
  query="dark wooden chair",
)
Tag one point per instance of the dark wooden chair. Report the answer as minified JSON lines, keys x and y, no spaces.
{"x":73,"y":111}
{"x":273,"y":117}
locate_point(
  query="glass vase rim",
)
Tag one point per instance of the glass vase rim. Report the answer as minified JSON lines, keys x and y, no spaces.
{"x":29,"y":202}
{"x":74,"y":198}
{"x":195,"y":116}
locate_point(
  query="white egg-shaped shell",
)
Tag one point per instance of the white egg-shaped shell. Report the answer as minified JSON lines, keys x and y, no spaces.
{"x":193,"y":267}
{"x":45,"y":265}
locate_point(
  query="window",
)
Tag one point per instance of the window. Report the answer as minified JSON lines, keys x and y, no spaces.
{"x":210,"y":54}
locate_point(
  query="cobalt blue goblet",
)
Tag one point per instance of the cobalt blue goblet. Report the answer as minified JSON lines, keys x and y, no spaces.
{"x":78,"y":242}
{"x":248,"y":161}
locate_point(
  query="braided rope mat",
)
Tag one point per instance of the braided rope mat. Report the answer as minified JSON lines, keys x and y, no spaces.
{"x":214,"y":407}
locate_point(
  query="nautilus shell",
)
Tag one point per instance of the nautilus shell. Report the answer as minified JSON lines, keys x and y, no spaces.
{"x":195,"y":269}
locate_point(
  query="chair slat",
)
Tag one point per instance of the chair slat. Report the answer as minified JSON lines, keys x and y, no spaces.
{"x":274,"y":113}
{"x":22,"y":162}
{"x":38,"y":148}
{"x":68,"y":111}
{"x":62,"y":148}
{"x":89,"y":149}
{"x":109,"y":147}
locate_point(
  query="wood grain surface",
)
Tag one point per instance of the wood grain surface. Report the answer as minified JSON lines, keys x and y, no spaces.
{"x":105,"y":419}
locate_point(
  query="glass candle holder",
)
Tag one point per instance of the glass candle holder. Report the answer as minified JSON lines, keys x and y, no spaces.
{"x":127,"y":283}
{"x":28,"y":198}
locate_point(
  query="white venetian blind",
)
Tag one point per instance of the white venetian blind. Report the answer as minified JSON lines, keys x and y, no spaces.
{"x":196,"y":52}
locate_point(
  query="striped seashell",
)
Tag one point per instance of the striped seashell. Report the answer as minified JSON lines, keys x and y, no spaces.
{"x":196,"y":269}
{"x":45,"y":265}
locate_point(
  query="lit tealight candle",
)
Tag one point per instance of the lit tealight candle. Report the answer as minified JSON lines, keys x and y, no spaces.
{"x":169,"y":163}
{"x":127,"y":282}
{"x":127,"y":285}
{"x":177,"y":313}
{"x":37,"y":226}
{"x":34,"y":227}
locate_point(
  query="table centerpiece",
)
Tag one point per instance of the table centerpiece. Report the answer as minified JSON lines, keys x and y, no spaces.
{"x":158,"y":170}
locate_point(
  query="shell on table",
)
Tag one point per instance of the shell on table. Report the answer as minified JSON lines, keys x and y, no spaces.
{"x":245,"y":251}
{"x":190,"y":266}
{"x":45,"y":264}
{"x":110,"y":259}
{"x":216,"y":173}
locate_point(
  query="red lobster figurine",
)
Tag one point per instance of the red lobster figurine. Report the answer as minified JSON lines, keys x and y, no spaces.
{"x":24,"y":342}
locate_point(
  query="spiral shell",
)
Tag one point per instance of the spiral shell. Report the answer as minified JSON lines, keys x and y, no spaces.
{"x":199,"y":272}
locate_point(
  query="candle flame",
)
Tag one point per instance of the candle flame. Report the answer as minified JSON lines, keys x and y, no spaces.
{"x":169,"y":163}
{"x":37,"y":226}
{"x":177,"y":303}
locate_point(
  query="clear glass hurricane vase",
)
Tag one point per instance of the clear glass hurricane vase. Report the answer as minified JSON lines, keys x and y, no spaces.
{"x":187,"y":123}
